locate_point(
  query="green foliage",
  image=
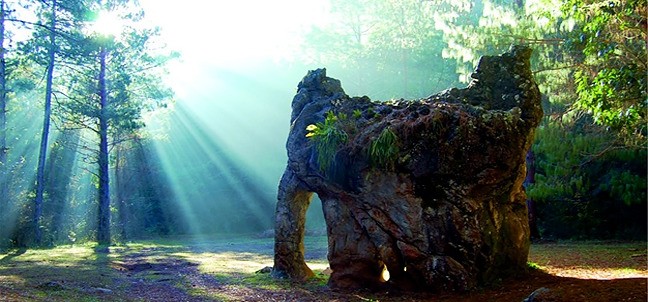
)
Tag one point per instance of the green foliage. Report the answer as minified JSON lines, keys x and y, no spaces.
{"x":383,"y":151}
{"x":585,"y":187}
{"x":611,"y":76}
{"x":589,"y":55}
{"x":328,"y":138}
{"x":626,"y":186}
{"x":590,"y":63}
{"x":135,"y":63}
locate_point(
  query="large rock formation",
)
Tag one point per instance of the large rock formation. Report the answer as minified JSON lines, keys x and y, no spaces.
{"x":431,"y":189}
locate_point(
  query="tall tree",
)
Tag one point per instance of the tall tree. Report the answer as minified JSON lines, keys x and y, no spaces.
{"x":119,"y":194}
{"x":10,"y":83}
{"x":103,"y":226}
{"x":4,"y":182}
{"x":47,"y":112}
{"x":54,"y":35}
{"x":119,"y":81}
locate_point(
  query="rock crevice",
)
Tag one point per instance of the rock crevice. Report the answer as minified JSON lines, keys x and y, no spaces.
{"x":429,"y":189}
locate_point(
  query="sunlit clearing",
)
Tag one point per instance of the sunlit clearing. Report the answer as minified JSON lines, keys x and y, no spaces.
{"x":590,"y":260}
{"x":12,"y":279}
{"x":228,"y":262}
{"x":595,"y":273}
{"x":60,"y":256}
{"x":236,"y":262}
{"x":71,"y":251}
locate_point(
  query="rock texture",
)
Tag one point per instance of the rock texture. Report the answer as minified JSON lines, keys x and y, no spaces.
{"x":447,"y":212}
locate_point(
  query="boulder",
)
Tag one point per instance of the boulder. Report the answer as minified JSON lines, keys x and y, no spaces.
{"x":429,"y":190}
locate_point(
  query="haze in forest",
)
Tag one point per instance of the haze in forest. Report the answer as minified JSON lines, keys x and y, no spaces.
{"x":238,"y":71}
{"x":208,"y":161}
{"x":233,"y":85}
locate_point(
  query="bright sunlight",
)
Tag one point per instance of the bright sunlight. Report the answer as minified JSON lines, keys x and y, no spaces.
{"x":158,"y":150}
{"x":108,"y":23}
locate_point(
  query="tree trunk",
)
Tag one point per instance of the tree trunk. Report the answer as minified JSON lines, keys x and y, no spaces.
{"x":42,"y":156}
{"x":530,"y":179}
{"x":60,"y":163}
{"x":103,"y":226}
{"x":4,"y":175}
{"x":119,"y":187}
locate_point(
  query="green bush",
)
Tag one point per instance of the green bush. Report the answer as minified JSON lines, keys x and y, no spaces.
{"x":586,"y":187}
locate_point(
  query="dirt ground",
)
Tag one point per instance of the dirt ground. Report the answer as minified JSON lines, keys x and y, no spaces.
{"x":231,"y":270}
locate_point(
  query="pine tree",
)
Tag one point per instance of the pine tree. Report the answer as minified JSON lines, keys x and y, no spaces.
{"x":119,"y":82}
{"x":40,"y":173}
{"x":4,"y":181}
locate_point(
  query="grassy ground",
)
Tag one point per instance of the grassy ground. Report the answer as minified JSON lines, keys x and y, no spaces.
{"x":226,"y":269}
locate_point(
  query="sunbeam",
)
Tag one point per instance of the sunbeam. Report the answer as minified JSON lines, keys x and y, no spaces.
{"x":144,"y":144}
{"x":212,"y":186}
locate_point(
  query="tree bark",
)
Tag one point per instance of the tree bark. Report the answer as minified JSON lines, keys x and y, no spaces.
{"x":119,"y":194}
{"x":530,"y":179}
{"x":42,"y":156}
{"x":4,"y":176}
{"x":103,"y":226}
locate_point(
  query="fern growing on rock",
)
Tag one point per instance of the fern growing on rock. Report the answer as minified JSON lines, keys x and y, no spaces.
{"x":328,"y":138}
{"x":383,"y":151}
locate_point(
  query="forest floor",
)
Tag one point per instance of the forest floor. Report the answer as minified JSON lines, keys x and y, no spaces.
{"x":228,"y":269}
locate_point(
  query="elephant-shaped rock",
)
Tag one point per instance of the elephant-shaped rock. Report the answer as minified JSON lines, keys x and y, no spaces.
{"x":430,"y":190}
